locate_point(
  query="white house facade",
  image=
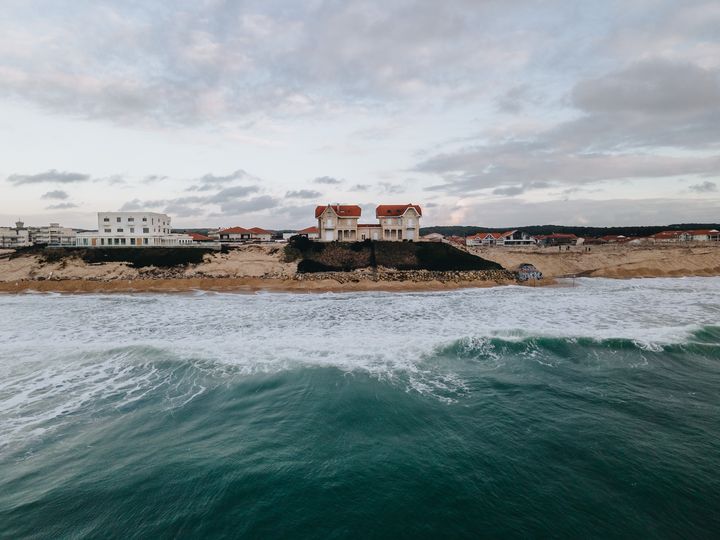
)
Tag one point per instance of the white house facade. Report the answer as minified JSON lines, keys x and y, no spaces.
{"x":338,"y":222}
{"x":399,"y":221}
{"x":133,"y":229}
{"x":395,"y":223}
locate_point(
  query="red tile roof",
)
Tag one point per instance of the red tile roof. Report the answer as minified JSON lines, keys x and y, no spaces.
{"x":394,"y":210}
{"x":258,"y":230}
{"x":711,"y":232}
{"x":309,"y":230}
{"x":197,"y":237}
{"x":667,"y":234}
{"x":235,"y":230}
{"x":340,"y":210}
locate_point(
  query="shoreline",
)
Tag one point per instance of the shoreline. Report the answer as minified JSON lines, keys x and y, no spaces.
{"x":241,"y":285}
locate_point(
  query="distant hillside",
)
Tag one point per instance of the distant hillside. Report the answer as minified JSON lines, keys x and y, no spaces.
{"x":595,"y":232}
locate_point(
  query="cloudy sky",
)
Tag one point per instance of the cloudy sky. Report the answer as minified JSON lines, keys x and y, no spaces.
{"x":486,"y":112}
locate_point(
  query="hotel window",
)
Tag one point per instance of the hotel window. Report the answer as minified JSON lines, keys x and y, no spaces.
{"x":118,"y":230}
{"x":106,"y":219}
{"x":118,"y":220}
{"x":108,"y":230}
{"x":102,"y":241}
{"x":145,"y":241}
{"x":122,"y":241}
{"x":117,"y":241}
{"x":146,"y":230}
{"x":131,"y":219}
{"x":132,"y":229}
{"x":145,"y":219}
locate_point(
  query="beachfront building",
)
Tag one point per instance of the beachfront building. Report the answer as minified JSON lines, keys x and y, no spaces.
{"x":399,"y":221}
{"x":701,"y":235}
{"x":396,"y":222}
{"x":508,"y":238}
{"x":15,"y":237}
{"x":241,"y":235}
{"x":338,"y":222}
{"x":133,"y":229}
{"x":704,"y":235}
{"x":558,"y":239}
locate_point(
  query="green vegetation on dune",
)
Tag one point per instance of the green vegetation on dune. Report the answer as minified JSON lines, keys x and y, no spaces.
{"x":136,"y":257}
{"x":349,"y":256}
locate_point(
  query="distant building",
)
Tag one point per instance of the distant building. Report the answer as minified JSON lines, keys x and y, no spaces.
{"x":133,"y":229}
{"x":15,"y":237}
{"x":22,"y":236}
{"x":557,"y":239}
{"x":241,"y":235}
{"x":311,"y":233}
{"x":508,"y":238}
{"x":704,"y":235}
{"x":432,"y":237}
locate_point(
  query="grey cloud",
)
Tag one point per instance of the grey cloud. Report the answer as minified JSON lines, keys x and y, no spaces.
{"x":704,"y":187}
{"x":61,"y":206}
{"x":56,"y":194}
{"x":617,"y":212}
{"x":618,"y":137}
{"x":152,"y":178}
{"x":255,"y":204}
{"x":210,"y":182}
{"x":303,"y":194}
{"x":360,"y":187}
{"x":389,"y":188}
{"x":327,"y":180}
{"x":655,"y":86}
{"x":509,"y":191}
{"x":51,"y":176}
{"x":231,"y":193}
{"x":183,"y":210}
{"x":515,"y":99}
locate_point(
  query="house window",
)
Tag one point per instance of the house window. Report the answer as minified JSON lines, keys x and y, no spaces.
{"x":132,"y":229}
{"x":131,"y":219}
{"x":146,"y":230}
{"x":118,"y":219}
{"x":106,"y":219}
{"x":118,"y":230}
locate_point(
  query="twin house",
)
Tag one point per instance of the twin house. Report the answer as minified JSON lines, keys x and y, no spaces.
{"x":396,"y":222}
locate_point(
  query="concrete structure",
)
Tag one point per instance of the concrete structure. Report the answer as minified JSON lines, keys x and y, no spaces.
{"x":338,"y":222}
{"x":399,"y":221}
{"x":395,"y":223}
{"x":133,"y":229}
{"x":241,"y":235}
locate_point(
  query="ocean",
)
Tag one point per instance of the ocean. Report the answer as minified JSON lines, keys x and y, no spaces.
{"x":586,"y":411}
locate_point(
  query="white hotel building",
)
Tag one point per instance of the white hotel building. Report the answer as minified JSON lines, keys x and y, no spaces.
{"x":132,"y":229}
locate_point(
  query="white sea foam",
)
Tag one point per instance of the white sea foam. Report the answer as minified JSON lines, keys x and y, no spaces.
{"x":58,"y":353}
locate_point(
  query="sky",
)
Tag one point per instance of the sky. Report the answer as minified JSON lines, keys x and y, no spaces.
{"x":488,"y":113}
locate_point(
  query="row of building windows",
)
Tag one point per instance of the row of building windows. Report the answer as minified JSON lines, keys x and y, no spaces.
{"x":146,"y":230}
{"x":132,"y":220}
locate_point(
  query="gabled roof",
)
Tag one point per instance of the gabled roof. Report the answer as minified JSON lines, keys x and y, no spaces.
{"x":309,"y":230}
{"x":235,"y":230}
{"x":704,"y":231}
{"x":341,"y":210}
{"x":258,"y":230}
{"x":394,"y":210}
{"x":197,"y":237}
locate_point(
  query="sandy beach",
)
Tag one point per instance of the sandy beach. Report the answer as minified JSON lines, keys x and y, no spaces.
{"x":260,"y":267}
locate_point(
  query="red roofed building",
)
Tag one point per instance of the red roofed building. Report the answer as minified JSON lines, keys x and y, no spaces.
{"x":399,"y":221}
{"x":508,"y":238}
{"x":197,"y":237}
{"x":338,"y":222}
{"x":242,"y":235}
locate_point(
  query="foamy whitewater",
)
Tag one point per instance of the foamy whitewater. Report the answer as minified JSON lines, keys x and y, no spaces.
{"x":585,"y":410}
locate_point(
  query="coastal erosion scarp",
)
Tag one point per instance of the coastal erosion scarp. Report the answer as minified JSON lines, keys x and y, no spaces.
{"x":250,"y":268}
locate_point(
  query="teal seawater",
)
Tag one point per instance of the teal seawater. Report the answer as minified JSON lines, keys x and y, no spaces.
{"x":586,"y":412}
